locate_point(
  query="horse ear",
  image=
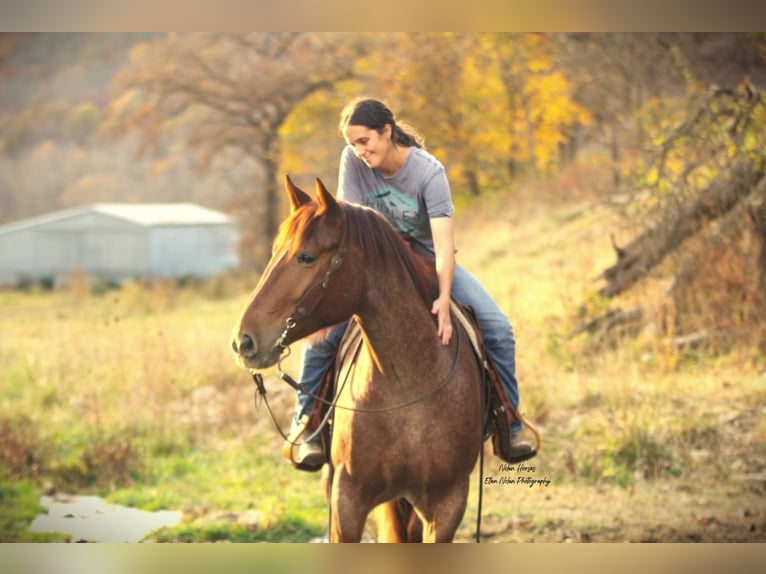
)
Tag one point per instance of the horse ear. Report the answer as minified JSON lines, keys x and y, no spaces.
{"x":327,"y":203}
{"x":297,"y":196}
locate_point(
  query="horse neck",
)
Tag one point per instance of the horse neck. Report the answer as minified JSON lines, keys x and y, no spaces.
{"x":396,"y":322}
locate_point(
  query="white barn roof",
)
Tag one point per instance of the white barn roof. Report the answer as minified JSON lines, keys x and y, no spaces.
{"x":144,"y":214}
{"x":162,"y":213}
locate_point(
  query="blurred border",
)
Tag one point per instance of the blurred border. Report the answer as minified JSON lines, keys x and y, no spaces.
{"x":399,"y":15}
{"x":344,"y":15}
{"x":382,"y":559}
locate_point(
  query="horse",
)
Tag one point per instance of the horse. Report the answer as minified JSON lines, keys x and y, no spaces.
{"x":407,"y":427}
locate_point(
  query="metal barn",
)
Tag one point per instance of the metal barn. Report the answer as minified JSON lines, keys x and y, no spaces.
{"x":117,"y":241}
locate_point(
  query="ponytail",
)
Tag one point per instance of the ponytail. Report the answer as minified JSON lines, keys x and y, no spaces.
{"x":406,"y":135}
{"x":375,"y":115}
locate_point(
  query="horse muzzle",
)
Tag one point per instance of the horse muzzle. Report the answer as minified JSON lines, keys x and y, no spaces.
{"x":250,"y":356}
{"x":245,"y":347}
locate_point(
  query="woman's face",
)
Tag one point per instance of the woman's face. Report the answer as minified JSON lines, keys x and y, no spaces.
{"x":369,"y":145}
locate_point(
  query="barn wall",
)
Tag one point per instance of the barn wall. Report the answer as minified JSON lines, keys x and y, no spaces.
{"x":21,"y":255}
{"x":100,"y":245}
{"x":199,"y":250}
{"x":112,"y":248}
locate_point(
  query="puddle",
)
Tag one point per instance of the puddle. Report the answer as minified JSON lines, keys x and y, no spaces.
{"x":92,"y":519}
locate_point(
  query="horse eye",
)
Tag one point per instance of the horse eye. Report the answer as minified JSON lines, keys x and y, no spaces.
{"x":306,"y":259}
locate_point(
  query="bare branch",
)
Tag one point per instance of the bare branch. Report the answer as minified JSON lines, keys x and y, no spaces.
{"x":650,"y":248}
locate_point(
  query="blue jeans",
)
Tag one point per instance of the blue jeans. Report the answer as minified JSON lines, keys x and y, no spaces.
{"x":496,"y":329}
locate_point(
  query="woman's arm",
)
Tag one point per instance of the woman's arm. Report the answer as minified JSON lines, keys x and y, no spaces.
{"x":348,"y":177}
{"x":442,"y":229}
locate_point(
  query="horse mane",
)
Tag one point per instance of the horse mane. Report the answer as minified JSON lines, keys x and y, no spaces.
{"x":380,"y":243}
{"x":383,"y":246}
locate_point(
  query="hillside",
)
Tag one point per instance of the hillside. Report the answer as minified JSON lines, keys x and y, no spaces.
{"x":55,"y":90}
{"x":142,"y":403}
{"x":133,"y":394}
{"x":68,"y":67}
{"x":642,"y":440}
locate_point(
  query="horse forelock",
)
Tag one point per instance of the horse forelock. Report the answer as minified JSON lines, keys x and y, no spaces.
{"x":295,"y":229}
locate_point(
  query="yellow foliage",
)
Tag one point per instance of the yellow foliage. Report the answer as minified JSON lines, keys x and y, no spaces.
{"x":523,"y":105}
{"x":139,"y":52}
{"x":311,"y":143}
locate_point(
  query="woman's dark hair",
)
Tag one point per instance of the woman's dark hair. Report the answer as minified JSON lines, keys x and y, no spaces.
{"x":374,"y":115}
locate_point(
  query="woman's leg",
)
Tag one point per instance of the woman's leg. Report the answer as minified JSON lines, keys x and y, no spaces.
{"x":496,"y":330}
{"x":316,"y":356}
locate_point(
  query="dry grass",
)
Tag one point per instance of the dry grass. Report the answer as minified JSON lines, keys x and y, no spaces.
{"x":642,"y":441}
{"x":135,"y":392}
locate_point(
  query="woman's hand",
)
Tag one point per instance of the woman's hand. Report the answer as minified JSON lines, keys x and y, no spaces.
{"x":441,"y":309}
{"x":444,"y":248}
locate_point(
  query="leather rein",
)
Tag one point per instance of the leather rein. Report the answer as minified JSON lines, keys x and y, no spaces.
{"x":303,"y":308}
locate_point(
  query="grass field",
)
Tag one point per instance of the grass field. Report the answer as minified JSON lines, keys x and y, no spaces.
{"x":133,"y":394}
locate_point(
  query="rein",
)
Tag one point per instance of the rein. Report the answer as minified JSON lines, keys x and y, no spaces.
{"x":303,"y":308}
{"x":299,"y":387}
{"x":333,"y":404}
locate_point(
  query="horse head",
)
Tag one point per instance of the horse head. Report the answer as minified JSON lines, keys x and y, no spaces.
{"x":302,"y":289}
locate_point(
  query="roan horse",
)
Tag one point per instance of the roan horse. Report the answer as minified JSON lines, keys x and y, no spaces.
{"x":408,"y":419}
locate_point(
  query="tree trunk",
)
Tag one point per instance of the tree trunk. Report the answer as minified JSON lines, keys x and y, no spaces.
{"x":758,"y":215}
{"x":531,"y":144}
{"x":614,"y":149}
{"x":647,"y":250}
{"x":272,"y":189}
{"x":473,"y":182}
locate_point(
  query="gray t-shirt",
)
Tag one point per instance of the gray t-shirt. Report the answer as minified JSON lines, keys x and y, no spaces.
{"x":418,"y":192}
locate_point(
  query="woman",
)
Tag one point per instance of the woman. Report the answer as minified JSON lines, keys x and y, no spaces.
{"x":384,"y":166}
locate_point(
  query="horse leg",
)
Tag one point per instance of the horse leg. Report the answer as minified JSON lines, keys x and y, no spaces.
{"x":348,"y":509}
{"x":442,"y":517}
{"x":389,"y":526}
{"x":396,"y":521}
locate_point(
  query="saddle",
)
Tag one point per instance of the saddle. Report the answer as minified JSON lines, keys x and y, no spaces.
{"x":498,"y":413}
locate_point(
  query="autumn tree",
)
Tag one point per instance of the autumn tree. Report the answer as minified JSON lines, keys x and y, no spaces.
{"x":613,"y":76}
{"x":706,"y":196}
{"x":694,"y":191}
{"x":230,"y":92}
{"x":542,"y":110}
{"x":493,"y":107}
{"x":428,"y":89}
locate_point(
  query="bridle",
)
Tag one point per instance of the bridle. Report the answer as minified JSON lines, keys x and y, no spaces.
{"x":303,"y":308}
{"x":307,"y":303}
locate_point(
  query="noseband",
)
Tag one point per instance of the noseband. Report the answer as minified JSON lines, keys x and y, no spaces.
{"x":308,"y":302}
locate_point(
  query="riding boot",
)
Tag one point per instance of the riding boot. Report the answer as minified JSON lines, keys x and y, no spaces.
{"x":519,"y":451}
{"x":507,"y":427}
{"x":300,"y":452}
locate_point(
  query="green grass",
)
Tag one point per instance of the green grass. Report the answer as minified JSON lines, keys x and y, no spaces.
{"x":288,"y":528}
{"x":19,"y":505}
{"x":133,"y":394}
{"x":140,"y":401}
